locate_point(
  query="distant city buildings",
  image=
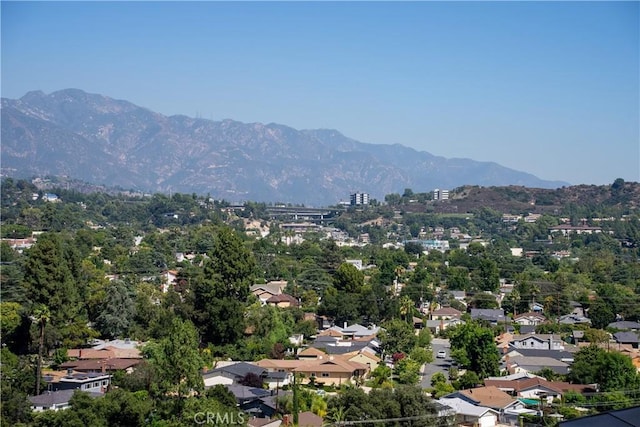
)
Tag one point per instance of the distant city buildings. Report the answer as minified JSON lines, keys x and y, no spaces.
{"x":358,"y":199}
{"x":440,"y":194}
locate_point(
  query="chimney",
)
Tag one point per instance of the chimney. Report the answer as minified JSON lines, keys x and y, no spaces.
{"x":104,"y":367}
{"x":345,"y":325}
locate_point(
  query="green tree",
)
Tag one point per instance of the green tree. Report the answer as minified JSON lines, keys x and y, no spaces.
{"x":348,"y":278}
{"x":407,"y":371}
{"x":177,"y":360}
{"x":116,"y":316}
{"x":41,"y":316}
{"x":421,"y":355}
{"x":610,"y":370}
{"x":220,"y":293}
{"x":601,"y":314}
{"x":468,"y":380}
{"x":397,"y":336}
{"x":49,"y":280}
{"x":473,"y":347}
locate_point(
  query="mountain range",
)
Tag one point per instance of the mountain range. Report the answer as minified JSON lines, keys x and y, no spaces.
{"x":114,"y":142}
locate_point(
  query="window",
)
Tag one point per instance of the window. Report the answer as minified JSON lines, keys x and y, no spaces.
{"x":531,"y":342}
{"x":325,"y":374}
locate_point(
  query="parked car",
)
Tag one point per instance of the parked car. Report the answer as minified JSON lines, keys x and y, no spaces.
{"x":442,"y":354}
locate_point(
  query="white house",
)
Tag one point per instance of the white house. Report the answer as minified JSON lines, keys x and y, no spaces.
{"x":469,"y":414}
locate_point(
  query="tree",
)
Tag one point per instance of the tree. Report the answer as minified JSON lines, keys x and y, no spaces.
{"x":610,"y":370}
{"x":407,"y":371}
{"x":601,"y":314}
{"x":233,"y":263}
{"x":474,"y":348}
{"x":220,"y":293}
{"x":380,"y":375}
{"x":116,"y":316}
{"x":484,"y":300}
{"x":177,"y":360}
{"x":348,"y":278}
{"x":468,"y":380}
{"x":406,"y":309}
{"x":41,"y":316}
{"x":49,"y":280}
{"x":421,"y":355}
{"x":397,"y":336}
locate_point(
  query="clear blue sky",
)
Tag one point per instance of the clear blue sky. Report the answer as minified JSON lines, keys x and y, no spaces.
{"x":543,"y":87}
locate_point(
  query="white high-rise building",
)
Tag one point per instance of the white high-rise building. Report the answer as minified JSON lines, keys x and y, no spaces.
{"x":440,"y":194}
{"x":359,"y":199}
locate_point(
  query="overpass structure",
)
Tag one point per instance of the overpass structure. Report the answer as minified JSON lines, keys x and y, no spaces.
{"x":300,"y":213}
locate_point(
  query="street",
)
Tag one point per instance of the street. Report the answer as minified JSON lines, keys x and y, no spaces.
{"x":438,"y":365}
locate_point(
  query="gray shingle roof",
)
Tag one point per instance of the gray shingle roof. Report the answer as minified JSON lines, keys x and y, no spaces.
{"x":626,"y":337}
{"x":50,"y":398}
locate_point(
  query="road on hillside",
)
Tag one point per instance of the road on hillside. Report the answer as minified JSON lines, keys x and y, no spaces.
{"x":438,"y":365}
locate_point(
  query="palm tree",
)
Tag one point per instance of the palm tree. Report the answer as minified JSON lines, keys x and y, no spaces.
{"x":41,"y":316}
{"x":336,"y":416}
{"x":406,"y":308}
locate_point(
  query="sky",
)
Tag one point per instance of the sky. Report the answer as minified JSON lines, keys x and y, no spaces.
{"x":548,"y":88}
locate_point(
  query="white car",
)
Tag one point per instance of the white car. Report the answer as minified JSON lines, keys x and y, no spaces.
{"x":442,"y":354}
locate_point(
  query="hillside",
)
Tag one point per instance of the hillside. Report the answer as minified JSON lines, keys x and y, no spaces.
{"x":116,"y":143}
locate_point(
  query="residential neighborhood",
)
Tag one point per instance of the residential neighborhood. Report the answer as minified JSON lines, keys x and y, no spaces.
{"x":113,"y":304}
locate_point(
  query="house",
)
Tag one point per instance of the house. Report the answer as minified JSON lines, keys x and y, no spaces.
{"x":331,"y":371}
{"x":566,"y":229}
{"x":437,"y":326}
{"x":50,"y":197}
{"x":234,"y":372}
{"x":296,"y":339}
{"x":536,"y":364}
{"x":254,"y":401}
{"x":445,"y":313}
{"x":561,"y":355}
{"x":311,"y":353}
{"x":102,"y":365}
{"x":231,"y":374}
{"x":627,"y":337}
{"x":459,"y":295}
{"x":619,"y":418}
{"x":493,"y":398}
{"x":55,"y":400}
{"x":283,"y":301}
{"x":265,"y":291}
{"x":577,"y":308}
{"x":574,"y":319}
{"x":535,"y":387}
{"x":106,"y":349}
{"x":493,"y":316}
{"x":97,"y":382}
{"x":469,"y":414}
{"x":358,"y":331}
{"x":363,"y":357}
{"x":529,"y":318}
{"x":624,"y":325}
{"x":527,"y":329}
{"x":537,"y":341}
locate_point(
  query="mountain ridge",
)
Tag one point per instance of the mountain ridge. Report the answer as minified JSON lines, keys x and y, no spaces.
{"x":108,"y":141}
